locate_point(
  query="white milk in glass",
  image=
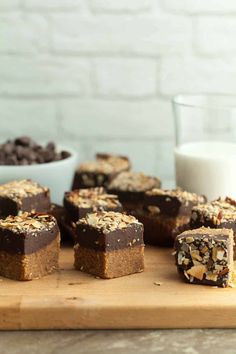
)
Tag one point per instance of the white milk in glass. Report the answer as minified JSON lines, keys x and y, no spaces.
{"x":207,"y":168}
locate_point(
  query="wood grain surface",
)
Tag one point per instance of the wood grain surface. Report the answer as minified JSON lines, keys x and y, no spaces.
{"x":156,"y":298}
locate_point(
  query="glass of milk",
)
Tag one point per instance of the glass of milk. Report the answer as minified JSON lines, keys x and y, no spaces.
{"x":205,"y":152}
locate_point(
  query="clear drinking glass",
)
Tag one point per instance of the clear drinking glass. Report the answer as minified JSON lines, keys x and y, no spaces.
{"x":205,"y":152}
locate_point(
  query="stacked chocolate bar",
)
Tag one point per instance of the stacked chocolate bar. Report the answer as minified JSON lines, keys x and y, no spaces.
{"x":80,"y":202}
{"x":205,"y":256}
{"x":29,"y":246}
{"x":100,"y":172}
{"x":29,"y":238}
{"x":166,"y":213}
{"x":109,"y":245}
{"x":23,"y":195}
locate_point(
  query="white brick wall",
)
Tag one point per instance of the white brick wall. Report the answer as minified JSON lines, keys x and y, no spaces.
{"x":99,"y":74}
{"x":125,"y":34}
{"x":44,"y":75}
{"x":121,"y":6}
{"x":35,"y":117}
{"x":125,"y":77}
{"x":191,"y":74}
{"x":23,"y":33}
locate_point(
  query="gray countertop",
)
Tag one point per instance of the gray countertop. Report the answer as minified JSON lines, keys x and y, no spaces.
{"x":114,"y":342}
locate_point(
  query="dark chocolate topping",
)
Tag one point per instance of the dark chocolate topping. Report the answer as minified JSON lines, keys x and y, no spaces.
{"x":23,"y":195}
{"x":215,"y":213}
{"x":27,"y":233}
{"x":80,"y":202}
{"x":171,"y":202}
{"x":89,"y":237}
{"x":18,"y":190}
{"x":106,"y":164}
{"x":134,"y":182}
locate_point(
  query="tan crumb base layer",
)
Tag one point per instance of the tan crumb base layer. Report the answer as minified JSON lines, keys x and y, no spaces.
{"x":30,"y":266}
{"x":112,"y":264}
{"x":160,"y":230}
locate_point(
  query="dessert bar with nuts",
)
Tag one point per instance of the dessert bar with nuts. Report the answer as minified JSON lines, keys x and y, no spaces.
{"x":205,"y":256}
{"x":219,"y":213}
{"x":29,"y":246}
{"x":109,"y":245}
{"x":101,"y":171}
{"x":131,"y":187}
{"x":166,"y":213}
{"x":80,"y":202}
{"x":23,"y":196}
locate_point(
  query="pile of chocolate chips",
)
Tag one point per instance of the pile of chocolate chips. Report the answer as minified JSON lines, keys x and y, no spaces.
{"x":25,"y":151}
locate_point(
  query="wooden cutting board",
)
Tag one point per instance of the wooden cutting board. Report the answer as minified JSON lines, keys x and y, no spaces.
{"x":71,"y":299}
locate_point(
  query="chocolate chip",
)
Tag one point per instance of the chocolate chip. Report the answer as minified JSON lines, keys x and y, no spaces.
{"x":23,"y":141}
{"x":51,"y":146}
{"x":8,"y":148}
{"x":25,"y":151}
{"x":65,"y":154}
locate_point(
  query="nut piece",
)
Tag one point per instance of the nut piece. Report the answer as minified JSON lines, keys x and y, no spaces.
{"x":211,"y":276}
{"x":195,"y":255}
{"x":197,"y":271}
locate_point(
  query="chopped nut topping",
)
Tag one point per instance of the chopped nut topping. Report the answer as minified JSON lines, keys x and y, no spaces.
{"x":182,"y":195}
{"x":106,"y":164}
{"x":134,"y":182}
{"x":28,"y":222}
{"x":95,"y":198}
{"x":17,"y":190}
{"x":218,"y":211}
{"x":109,"y":221}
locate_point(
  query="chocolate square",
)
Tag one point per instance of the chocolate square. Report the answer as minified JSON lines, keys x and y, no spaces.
{"x":80,"y":202}
{"x":23,"y":196}
{"x":205,"y":256}
{"x":131,"y":187}
{"x":166,"y":213}
{"x":100,"y":172}
{"x":109,"y":245}
{"x":29,"y":246}
{"x":27,"y":233}
{"x":109,"y":231}
{"x":172,"y":202}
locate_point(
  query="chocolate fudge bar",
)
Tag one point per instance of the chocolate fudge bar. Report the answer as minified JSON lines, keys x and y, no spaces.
{"x":109,"y":245}
{"x":29,"y":246}
{"x":23,"y":195}
{"x":80,"y":202}
{"x":100,"y":172}
{"x":166,"y":213}
{"x":131,"y":187}
{"x":219,"y":213}
{"x":205,"y":256}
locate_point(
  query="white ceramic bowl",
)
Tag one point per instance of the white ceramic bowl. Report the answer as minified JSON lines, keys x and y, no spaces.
{"x":56,"y":175}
